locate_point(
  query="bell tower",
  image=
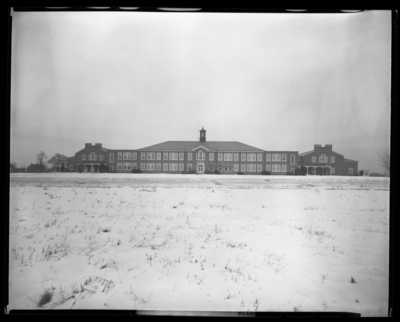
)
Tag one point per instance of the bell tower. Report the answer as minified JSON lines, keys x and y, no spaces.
{"x":202,"y":135}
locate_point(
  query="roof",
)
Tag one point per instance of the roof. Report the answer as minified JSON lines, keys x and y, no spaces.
{"x":209,"y":145}
{"x":349,"y":160}
{"x":309,"y":152}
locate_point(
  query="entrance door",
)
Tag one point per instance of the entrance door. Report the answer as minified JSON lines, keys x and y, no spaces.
{"x":200,"y":168}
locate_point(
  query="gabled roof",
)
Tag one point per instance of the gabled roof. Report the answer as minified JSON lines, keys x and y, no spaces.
{"x":210,"y":145}
{"x":309,"y":152}
{"x":349,"y":160}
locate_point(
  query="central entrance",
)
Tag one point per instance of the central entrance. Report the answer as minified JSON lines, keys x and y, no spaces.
{"x":200,"y":167}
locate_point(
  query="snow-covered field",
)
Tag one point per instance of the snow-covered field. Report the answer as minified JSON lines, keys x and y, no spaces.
{"x":199,"y":242}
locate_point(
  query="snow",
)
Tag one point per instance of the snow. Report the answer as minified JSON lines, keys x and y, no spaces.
{"x":199,"y":242}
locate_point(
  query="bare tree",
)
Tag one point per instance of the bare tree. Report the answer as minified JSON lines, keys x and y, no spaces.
{"x":57,"y":160}
{"x":384,"y":161}
{"x":41,"y":158}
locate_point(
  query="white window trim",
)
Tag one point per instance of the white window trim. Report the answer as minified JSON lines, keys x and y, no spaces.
{"x":268,"y":167}
{"x":119,"y":155}
{"x":158,"y":166}
{"x":165,"y":166}
{"x":259,"y":167}
{"x":332,"y":159}
{"x":158,"y":157}
{"x":211,"y":157}
{"x":165,"y":156}
{"x":259,"y":156}
{"x":268,"y":157}
{"x":243,"y":157}
{"x":284,"y":168}
{"x":220,"y":156}
{"x":142,"y":156}
{"x":190,"y":156}
{"x":181,"y":167}
{"x":134,"y":155}
{"x":111,"y":158}
{"x":119,"y":166}
{"x":242,"y":168}
{"x":284,"y":157}
{"x":181,"y":157}
{"x":292,"y":159}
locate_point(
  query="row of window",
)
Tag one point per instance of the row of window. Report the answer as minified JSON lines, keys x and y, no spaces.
{"x":174,"y":156}
{"x":322,"y":159}
{"x":180,"y":167}
{"x":92,"y":157}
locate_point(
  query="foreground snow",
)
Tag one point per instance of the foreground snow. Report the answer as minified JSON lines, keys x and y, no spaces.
{"x":199,"y":243}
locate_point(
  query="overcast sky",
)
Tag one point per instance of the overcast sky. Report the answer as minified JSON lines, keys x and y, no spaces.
{"x":133,"y":79}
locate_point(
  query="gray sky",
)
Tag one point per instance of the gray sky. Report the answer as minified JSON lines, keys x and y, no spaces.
{"x":134,"y":79}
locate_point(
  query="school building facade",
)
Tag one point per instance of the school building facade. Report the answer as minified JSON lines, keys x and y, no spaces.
{"x":228,"y":157}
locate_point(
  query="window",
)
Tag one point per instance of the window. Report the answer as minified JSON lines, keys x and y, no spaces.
{"x":159,"y":156}
{"x":276,"y":168}
{"x":150,"y":166}
{"x":350,"y":170}
{"x":259,"y":167}
{"x":111,"y":158}
{"x":292,"y":159}
{"x":71,"y":167}
{"x":332,"y":170}
{"x":268,"y":167}
{"x":283,"y":157}
{"x":127,"y":166}
{"x":134,"y":166}
{"x":211,"y":156}
{"x":101,"y":157}
{"x":119,"y":155}
{"x":219,"y":156}
{"x":332,"y":159}
{"x":259,"y":156}
{"x":276,"y":157}
{"x":189,"y":166}
{"x":283,"y":167}
{"x":165,"y":166}
{"x":92,"y":156}
{"x":251,"y":157}
{"x":134,"y":155}
{"x":236,"y":167}
{"x":173,"y":156}
{"x":151,"y":156}
{"x":119,"y":166}
{"x":251,"y":168}
{"x":313,"y":159}
{"x":323,"y":158}
{"x":180,"y":166}
{"x":142,"y":157}
{"x":83,"y":157}
{"x":236,"y":157}
{"x":292,"y":170}
{"x":243,"y":168}
{"x":228,"y":156}
{"x":201,"y":156}
{"x":181,"y":157}
{"x":243,"y":157}
{"x":127,"y":155}
{"x":165,"y":156}
{"x":190,"y":156}
{"x":111,"y":168}
{"x":143,"y":166}
{"x":268,"y":156}
{"x":173,"y":167}
{"x":158,"y":165}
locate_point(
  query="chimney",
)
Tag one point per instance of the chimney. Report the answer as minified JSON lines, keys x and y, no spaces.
{"x":88,"y":145}
{"x":329,"y":146}
{"x":317,"y":146}
{"x":98,"y":144}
